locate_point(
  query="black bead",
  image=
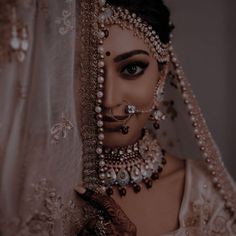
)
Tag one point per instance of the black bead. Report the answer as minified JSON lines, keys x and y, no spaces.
{"x":136,"y":188}
{"x":109,"y":191}
{"x":106,"y":32}
{"x":124,"y":129}
{"x":160,"y":169}
{"x":155,"y":176}
{"x":156,"y":125}
{"x":163,"y":151}
{"x":122,"y":191}
{"x":148,"y":183}
{"x":163,"y":161}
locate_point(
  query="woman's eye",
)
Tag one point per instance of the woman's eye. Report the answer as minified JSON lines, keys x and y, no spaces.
{"x":134,"y":69}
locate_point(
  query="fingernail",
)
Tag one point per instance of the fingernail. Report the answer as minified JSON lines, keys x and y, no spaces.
{"x":80,"y":189}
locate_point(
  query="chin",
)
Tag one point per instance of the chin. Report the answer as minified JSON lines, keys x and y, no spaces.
{"x":117,"y":139}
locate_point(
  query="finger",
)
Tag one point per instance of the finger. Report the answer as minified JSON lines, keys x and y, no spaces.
{"x":96,"y":226}
{"x":107,"y":204}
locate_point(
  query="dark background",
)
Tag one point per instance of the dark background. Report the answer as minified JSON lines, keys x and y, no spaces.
{"x":205,"y":43}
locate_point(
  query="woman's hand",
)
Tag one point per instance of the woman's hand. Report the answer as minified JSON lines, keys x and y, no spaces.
{"x":113,"y":221}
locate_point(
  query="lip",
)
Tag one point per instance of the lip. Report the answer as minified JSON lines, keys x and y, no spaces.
{"x":114,"y":118}
{"x":112,"y":129}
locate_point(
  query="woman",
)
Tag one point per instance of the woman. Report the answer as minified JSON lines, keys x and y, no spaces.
{"x":134,"y":83}
{"x":137,"y":75}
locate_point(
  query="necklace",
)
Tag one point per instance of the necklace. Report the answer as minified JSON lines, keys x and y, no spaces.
{"x":132,"y":165}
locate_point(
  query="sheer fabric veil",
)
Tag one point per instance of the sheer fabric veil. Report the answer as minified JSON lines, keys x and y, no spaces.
{"x":40,"y":141}
{"x":48,"y":130}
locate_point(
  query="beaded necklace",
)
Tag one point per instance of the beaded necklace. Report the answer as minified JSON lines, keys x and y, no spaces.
{"x":131,"y":165}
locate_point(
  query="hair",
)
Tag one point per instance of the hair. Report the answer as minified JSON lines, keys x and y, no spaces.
{"x":154,"y":12}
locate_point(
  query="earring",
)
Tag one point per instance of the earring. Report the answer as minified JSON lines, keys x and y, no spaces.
{"x":19,"y":43}
{"x":157,"y":115}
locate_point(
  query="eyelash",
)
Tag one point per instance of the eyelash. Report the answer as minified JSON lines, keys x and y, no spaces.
{"x":137,"y":64}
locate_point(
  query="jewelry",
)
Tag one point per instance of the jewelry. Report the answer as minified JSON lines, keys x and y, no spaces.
{"x":157,"y":116}
{"x":131,"y":165}
{"x":100,"y":229}
{"x":124,"y":128}
{"x":19,"y":42}
{"x":123,"y":18}
{"x":109,"y":16}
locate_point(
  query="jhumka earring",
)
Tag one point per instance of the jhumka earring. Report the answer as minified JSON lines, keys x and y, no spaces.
{"x":157,"y":115}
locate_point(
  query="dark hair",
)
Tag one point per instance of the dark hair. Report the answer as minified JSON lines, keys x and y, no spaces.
{"x":154,"y":12}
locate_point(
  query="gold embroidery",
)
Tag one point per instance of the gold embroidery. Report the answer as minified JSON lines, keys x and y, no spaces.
{"x":66,"y":21}
{"x":47,"y":210}
{"x":60,"y":130}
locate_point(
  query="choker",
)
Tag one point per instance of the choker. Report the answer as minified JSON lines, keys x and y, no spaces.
{"x":132,"y":165}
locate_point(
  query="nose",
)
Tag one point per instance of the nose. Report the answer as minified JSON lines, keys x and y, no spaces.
{"x":112,"y":91}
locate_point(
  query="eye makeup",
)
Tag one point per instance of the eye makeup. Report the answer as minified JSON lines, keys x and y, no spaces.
{"x":133,"y":69}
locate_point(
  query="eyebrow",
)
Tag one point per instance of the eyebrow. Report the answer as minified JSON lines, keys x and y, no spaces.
{"x":126,"y":55}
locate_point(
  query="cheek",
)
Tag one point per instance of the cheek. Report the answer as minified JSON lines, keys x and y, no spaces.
{"x":141,"y":92}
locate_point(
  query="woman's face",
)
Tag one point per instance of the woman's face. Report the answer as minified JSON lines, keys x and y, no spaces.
{"x":131,"y":74}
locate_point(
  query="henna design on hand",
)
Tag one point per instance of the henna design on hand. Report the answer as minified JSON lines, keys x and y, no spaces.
{"x":119,"y":225}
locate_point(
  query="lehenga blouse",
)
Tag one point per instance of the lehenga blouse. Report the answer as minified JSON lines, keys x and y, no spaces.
{"x":202,"y":212}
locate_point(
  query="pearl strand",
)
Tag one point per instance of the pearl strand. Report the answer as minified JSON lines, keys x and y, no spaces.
{"x":195,"y":116}
{"x":100,"y":84}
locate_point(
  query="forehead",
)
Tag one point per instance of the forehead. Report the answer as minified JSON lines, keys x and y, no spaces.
{"x":123,"y":40}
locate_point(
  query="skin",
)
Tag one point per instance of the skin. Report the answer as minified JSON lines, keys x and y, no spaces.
{"x":131,"y":76}
{"x":154,"y":211}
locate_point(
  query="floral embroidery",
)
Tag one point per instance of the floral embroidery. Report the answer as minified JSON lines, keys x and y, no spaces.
{"x":199,"y":214}
{"x":47,"y":210}
{"x":219,"y":225}
{"x":60,"y":130}
{"x":66,"y":21}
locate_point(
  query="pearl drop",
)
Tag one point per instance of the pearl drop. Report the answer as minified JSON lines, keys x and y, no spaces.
{"x":190,"y":107}
{"x":215,"y":180}
{"x":101,"y":18}
{"x":102,"y":2}
{"x":186,"y":101}
{"x":99,"y":116}
{"x":15,"y":43}
{"x":101,"y":49}
{"x":98,"y":109}
{"x":222,"y":191}
{"x":24,"y":45}
{"x":101,"y":136}
{"x":99,"y":151}
{"x":205,"y":155}
{"x":200,"y":143}
{"x":196,"y":131}
{"x":210,"y":167}
{"x":101,"y":64}
{"x":100,"y":123}
{"x":101,"y":34}
{"x":102,"y":163}
{"x":99,"y":94}
{"x":102,"y":176}
{"x":178,"y":71}
{"x":174,"y":59}
{"x":100,"y":79}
